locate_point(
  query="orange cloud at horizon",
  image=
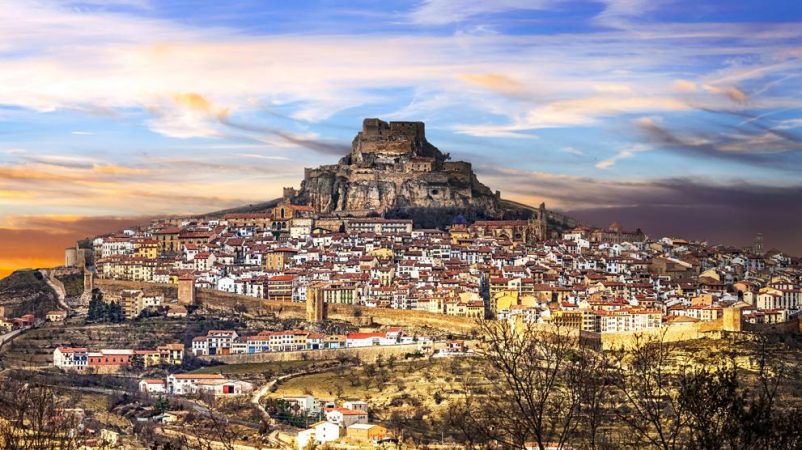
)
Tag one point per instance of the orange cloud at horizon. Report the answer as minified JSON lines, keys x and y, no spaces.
{"x":39,"y":241}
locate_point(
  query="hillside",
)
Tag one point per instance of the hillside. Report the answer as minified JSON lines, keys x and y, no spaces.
{"x":25,"y":291}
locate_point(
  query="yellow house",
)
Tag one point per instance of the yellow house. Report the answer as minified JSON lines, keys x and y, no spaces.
{"x":147,"y":248}
{"x":503,"y":300}
{"x":382,"y":253}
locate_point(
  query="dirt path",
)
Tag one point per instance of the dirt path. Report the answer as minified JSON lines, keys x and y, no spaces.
{"x":57,"y":287}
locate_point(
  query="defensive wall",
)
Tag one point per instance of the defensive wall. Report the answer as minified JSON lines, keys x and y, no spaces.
{"x":368,"y":354}
{"x":112,"y":288}
{"x":362,"y":316}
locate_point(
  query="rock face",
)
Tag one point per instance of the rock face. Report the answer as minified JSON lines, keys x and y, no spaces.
{"x":393,"y":167}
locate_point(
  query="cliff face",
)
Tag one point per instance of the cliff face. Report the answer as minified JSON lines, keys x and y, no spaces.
{"x":393,"y":167}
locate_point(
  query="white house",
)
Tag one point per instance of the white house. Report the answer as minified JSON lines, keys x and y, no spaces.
{"x":223,"y":387}
{"x":319,"y":433}
{"x":345,"y":417}
{"x":356,"y":405}
{"x":306,"y":404}
{"x":185,"y":383}
{"x":200,"y":346}
{"x":71,"y":357}
{"x":153,"y":386}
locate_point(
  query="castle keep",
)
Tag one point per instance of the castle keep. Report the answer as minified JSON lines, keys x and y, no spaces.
{"x":392,"y":166}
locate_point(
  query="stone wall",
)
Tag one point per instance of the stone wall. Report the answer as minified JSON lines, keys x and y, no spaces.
{"x":368,"y":354}
{"x":112,"y":288}
{"x":361,"y":316}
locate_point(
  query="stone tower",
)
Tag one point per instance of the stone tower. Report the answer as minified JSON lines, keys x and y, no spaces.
{"x":732,"y":319}
{"x":186,"y":290}
{"x":89,"y":280}
{"x":316,"y":310}
{"x":757,"y":245}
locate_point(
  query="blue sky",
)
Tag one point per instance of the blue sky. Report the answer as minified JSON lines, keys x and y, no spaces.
{"x":132,"y":108}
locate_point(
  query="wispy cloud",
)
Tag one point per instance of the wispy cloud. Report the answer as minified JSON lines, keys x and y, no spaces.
{"x":441,"y":12}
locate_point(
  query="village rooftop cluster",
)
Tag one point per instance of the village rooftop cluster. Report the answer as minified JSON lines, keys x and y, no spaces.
{"x":596,"y":280}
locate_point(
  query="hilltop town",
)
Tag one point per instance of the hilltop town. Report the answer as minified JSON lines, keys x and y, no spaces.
{"x":335,"y":317}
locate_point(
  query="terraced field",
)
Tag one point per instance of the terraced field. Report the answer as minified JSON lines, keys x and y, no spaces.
{"x":35,"y":347}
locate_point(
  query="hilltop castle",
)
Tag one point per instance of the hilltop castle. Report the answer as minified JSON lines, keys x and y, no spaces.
{"x":392,"y":168}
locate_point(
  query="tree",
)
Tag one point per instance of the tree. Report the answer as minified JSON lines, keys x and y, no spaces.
{"x":137,"y":362}
{"x":162,"y":404}
{"x":114,"y":313}
{"x":97,"y":308}
{"x":648,"y":401}
{"x":531,"y":379}
{"x":33,"y":418}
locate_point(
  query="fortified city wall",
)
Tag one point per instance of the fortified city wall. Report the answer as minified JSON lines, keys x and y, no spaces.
{"x":361,"y":316}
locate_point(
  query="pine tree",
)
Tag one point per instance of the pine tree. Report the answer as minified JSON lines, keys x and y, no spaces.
{"x":115,"y":313}
{"x":97,"y":309}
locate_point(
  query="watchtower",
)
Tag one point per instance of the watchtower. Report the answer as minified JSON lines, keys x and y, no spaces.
{"x":186,"y":290}
{"x":732,"y":319}
{"x":89,"y":280}
{"x":316,"y":310}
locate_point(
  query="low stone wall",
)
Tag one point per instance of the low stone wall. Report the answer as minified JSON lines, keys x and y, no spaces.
{"x":357,"y":315}
{"x":673,"y":333}
{"x":368,"y":354}
{"x":112,"y":288}
{"x":360,"y":316}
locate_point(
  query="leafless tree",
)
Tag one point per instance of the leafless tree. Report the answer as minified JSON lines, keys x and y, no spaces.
{"x":647,"y":398}
{"x":532,"y":379}
{"x":32,"y":418}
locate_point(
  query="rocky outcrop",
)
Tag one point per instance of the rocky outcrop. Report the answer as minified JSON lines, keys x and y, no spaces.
{"x":393,"y":167}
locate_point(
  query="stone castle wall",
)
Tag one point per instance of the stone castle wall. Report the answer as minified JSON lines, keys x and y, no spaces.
{"x":227,"y":302}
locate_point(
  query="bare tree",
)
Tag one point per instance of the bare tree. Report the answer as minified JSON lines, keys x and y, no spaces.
{"x":531,"y":386}
{"x":32,"y":418}
{"x":648,"y":395}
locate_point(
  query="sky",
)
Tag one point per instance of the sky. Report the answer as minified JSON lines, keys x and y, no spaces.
{"x":681,"y":117}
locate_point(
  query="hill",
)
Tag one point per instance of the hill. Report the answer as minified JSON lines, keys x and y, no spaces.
{"x":26,"y":291}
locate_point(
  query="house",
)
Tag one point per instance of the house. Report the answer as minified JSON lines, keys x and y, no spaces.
{"x":365,"y":432}
{"x":224,"y":387}
{"x":171,"y":353}
{"x":110,"y":360}
{"x":184,"y":383}
{"x":306,"y":404}
{"x":356,"y":405}
{"x":363,"y":339}
{"x":200,"y":346}
{"x":318,"y":434}
{"x":345,"y":417}
{"x":71,"y":358}
{"x":153,"y":386}
{"x":56,"y":316}
{"x":176,"y":311}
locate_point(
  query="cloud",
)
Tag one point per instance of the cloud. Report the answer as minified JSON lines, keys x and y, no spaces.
{"x":729,"y":212}
{"x":731,"y":92}
{"x":39,"y":241}
{"x":685,"y":86}
{"x":752,"y":143}
{"x":443,"y":12}
{"x":628,"y":152}
{"x":501,"y":84}
{"x":573,"y":151}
